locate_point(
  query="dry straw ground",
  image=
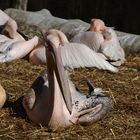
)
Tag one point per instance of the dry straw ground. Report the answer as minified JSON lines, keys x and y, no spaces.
{"x":122,"y":123}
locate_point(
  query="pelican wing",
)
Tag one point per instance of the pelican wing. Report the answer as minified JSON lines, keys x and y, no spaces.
{"x":77,"y":55}
{"x":34,"y":92}
{"x":11,"y":49}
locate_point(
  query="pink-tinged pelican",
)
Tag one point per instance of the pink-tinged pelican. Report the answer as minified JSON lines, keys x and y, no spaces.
{"x":53,"y":100}
{"x":11,"y":49}
{"x":73,"y":55}
{"x":3,"y":96}
{"x":102,"y":39}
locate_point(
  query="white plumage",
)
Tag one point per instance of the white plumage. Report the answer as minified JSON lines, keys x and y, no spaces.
{"x":11,"y":49}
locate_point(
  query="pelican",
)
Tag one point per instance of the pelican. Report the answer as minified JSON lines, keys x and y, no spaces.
{"x":102,"y":39}
{"x":54,"y":102}
{"x":3,"y":96}
{"x":73,"y":55}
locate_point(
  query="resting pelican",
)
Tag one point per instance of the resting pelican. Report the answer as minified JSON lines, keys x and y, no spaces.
{"x":73,"y":55}
{"x":53,"y":100}
{"x":102,"y":39}
{"x":3,"y":96}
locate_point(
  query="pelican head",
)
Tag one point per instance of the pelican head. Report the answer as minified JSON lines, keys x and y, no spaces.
{"x":97,"y":25}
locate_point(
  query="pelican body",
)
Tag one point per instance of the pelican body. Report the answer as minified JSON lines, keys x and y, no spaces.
{"x":53,"y":100}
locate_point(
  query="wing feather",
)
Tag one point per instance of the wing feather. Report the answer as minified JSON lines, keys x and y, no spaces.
{"x":77,"y":55}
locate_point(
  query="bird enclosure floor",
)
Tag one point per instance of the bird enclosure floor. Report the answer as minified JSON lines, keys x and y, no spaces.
{"x":122,"y":123}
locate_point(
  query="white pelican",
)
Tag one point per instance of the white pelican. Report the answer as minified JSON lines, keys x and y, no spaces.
{"x":102,"y":39}
{"x":53,"y":100}
{"x":73,"y":55}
